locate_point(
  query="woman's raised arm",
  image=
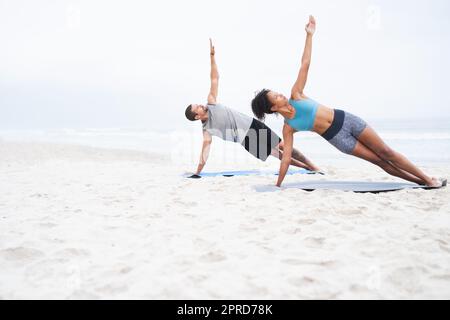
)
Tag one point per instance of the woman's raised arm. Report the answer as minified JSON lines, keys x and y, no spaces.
{"x":299,"y":85}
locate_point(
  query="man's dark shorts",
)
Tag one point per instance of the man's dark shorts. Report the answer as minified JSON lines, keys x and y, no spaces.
{"x":260,"y":140}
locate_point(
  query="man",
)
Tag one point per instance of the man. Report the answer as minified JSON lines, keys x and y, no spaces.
{"x":230,"y":125}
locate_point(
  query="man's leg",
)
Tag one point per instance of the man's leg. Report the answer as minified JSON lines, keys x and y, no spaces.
{"x":277,"y":153}
{"x":299,"y":157}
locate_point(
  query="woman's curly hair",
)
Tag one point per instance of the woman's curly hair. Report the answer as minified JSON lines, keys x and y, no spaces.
{"x":261,"y":105}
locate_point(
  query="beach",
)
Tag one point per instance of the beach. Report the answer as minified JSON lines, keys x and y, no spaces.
{"x":106,"y":113}
{"x":84,"y":222}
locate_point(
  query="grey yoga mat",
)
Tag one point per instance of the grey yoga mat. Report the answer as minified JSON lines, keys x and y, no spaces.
{"x":355,"y":186}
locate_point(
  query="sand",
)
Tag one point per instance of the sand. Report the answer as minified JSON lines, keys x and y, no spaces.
{"x":88,"y":223}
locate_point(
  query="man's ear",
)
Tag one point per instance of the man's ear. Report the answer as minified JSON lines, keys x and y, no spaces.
{"x":197,"y":117}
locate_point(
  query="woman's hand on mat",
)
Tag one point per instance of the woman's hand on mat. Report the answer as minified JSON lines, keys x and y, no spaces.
{"x":310,"y":27}
{"x":271,"y":188}
{"x":211,"y":48}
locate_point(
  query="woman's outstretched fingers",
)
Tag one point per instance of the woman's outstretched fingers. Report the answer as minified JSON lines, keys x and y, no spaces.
{"x":310,"y":27}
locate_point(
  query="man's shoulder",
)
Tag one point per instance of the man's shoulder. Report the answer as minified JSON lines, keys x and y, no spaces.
{"x":235,"y":112}
{"x":214,"y":105}
{"x":224,"y":107}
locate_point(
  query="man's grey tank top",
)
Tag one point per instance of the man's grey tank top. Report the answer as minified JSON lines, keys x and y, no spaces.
{"x":227,"y":123}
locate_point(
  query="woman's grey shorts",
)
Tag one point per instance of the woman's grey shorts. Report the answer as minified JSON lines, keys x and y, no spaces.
{"x":344,"y":131}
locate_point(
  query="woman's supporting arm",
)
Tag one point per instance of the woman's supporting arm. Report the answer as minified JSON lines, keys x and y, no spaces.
{"x":288,"y":138}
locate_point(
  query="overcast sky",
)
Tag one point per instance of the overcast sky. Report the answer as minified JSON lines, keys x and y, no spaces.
{"x":110,"y":63}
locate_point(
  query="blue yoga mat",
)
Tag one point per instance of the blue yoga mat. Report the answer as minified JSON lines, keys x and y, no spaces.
{"x":355,"y":186}
{"x":249,"y":173}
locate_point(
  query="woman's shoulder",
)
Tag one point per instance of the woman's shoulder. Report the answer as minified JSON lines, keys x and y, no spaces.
{"x":299,"y":97}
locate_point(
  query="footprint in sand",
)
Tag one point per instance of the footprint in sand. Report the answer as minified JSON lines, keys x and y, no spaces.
{"x":406,"y":279}
{"x":247,"y":228}
{"x":198,"y":278}
{"x":350,"y":212}
{"x":213,"y":257}
{"x":21,"y":254}
{"x":110,"y":289}
{"x":296,"y":262}
{"x":39,"y":195}
{"x":117,"y":270}
{"x":82,"y":295}
{"x":48,"y":225}
{"x":306,"y":221}
{"x":202,"y":243}
{"x":73,"y":253}
{"x":445,"y":277}
{"x":185,"y":203}
{"x":301,"y":282}
{"x":444,"y":247}
{"x":314,"y":242}
{"x":124,"y":270}
{"x":292,"y":230}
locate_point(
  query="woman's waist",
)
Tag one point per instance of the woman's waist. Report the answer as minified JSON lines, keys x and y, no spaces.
{"x":323,"y":120}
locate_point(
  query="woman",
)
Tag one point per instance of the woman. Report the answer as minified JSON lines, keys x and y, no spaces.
{"x":347,"y":132}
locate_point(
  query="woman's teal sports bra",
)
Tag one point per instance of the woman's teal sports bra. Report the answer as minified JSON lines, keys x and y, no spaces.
{"x":305,"y":114}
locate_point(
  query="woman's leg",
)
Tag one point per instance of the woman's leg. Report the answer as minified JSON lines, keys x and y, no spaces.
{"x":373,"y":142}
{"x":363,"y":152}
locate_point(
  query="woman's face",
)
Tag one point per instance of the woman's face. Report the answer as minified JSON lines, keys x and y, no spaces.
{"x":276,"y":99}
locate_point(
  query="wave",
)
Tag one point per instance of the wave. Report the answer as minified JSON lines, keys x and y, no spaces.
{"x":146,"y":133}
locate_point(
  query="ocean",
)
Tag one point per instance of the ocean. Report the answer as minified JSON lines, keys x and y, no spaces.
{"x":424,"y":142}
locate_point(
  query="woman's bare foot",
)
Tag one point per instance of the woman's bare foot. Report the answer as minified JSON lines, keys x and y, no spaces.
{"x":436,"y":183}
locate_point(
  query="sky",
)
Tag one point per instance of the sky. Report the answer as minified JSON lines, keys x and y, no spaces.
{"x":138,"y":64}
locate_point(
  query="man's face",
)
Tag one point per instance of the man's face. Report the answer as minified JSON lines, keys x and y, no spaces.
{"x":199,"y":110}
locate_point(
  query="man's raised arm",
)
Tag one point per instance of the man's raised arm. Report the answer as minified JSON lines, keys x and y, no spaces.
{"x":212,"y":96}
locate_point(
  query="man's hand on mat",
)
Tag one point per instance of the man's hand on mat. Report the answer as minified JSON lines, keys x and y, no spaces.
{"x":211,"y":48}
{"x":310,"y":28}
